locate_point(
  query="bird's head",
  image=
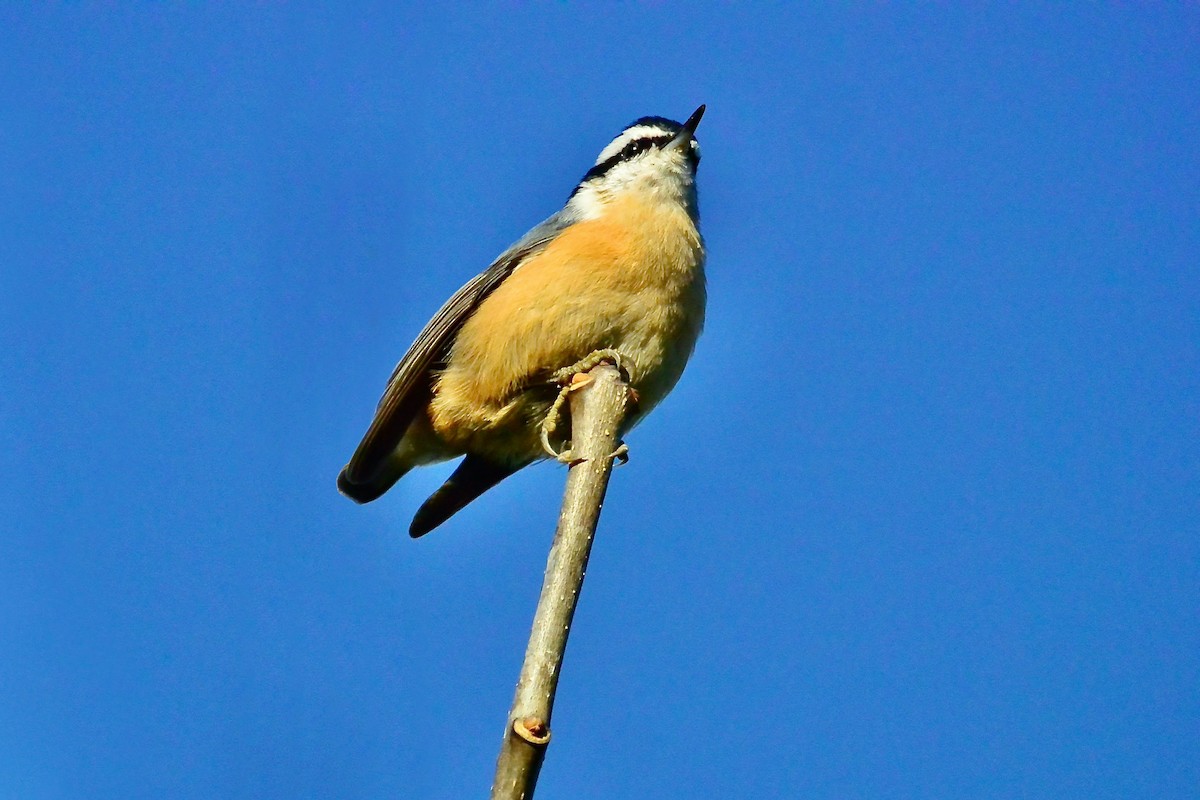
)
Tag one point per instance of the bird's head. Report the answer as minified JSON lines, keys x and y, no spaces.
{"x":653,"y":155}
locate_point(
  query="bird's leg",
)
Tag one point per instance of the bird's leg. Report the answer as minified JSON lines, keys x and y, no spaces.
{"x":571,"y":379}
{"x":550,"y":423}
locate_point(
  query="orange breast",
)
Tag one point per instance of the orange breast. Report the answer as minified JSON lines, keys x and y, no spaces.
{"x":631,"y":280}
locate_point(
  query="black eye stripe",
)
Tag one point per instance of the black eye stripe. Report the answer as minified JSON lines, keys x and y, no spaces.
{"x":630,"y":150}
{"x":636,"y":146}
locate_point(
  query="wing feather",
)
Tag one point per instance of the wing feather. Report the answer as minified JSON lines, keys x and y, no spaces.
{"x":408,"y":390}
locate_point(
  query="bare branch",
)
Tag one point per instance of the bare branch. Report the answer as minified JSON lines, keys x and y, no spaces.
{"x":597,"y":410}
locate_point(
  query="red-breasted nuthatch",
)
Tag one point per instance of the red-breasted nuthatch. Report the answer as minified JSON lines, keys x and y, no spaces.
{"x":620,"y":268}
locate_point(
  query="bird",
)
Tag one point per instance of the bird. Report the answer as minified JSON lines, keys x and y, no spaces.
{"x":619,"y":269}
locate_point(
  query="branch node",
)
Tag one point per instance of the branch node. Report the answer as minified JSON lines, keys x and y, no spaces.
{"x":533,"y":730}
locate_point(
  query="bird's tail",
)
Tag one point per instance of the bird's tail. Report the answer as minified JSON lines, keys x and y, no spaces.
{"x":372,"y":488}
{"x":474,"y":476}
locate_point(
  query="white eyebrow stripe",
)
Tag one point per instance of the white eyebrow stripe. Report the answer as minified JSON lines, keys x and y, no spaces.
{"x":627,"y":136}
{"x":644,"y":131}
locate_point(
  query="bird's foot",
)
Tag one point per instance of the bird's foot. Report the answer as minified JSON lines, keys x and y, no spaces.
{"x":572,"y":379}
{"x":567,"y":375}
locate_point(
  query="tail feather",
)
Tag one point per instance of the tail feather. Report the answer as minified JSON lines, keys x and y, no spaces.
{"x":372,"y":488}
{"x":474,"y":476}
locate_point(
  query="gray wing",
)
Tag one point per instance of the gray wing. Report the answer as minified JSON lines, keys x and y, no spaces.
{"x":408,"y":390}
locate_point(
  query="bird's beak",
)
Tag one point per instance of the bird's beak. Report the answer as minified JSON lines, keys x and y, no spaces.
{"x":684,"y":137}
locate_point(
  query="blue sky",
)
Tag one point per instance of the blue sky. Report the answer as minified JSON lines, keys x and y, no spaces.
{"x":919,"y":521}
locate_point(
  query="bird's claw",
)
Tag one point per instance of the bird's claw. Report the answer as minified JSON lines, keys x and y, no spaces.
{"x":571,"y":379}
{"x":567,"y":375}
